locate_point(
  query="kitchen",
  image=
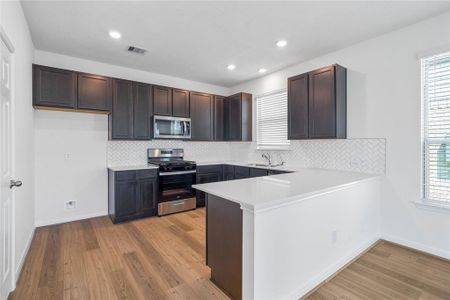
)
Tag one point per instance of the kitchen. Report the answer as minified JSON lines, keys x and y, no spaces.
{"x":186,"y":182}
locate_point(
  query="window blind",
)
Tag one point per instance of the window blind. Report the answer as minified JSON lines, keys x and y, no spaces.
{"x":272,"y":120}
{"x":436,"y":127}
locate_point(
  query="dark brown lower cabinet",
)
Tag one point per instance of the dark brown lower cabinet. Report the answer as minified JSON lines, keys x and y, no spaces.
{"x":257,"y":172}
{"x":132,"y":194}
{"x":228,"y":172}
{"x":207,"y":174}
{"x":241,"y":172}
{"x":224,"y":244}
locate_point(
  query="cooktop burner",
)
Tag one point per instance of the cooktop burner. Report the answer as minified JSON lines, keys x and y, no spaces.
{"x":169,"y":160}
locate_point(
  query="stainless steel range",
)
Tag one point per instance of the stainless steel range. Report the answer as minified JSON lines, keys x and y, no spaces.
{"x":176,"y":177}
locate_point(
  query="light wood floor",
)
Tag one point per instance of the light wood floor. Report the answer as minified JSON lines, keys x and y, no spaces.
{"x":160,"y":258}
{"x":153,"y":258}
{"x":389,"y":271}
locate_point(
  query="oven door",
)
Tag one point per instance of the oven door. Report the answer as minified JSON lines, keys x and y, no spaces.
{"x":171,"y":127}
{"x":176,"y":185}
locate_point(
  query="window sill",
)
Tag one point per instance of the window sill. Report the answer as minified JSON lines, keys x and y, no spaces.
{"x":433,"y":205}
{"x":274,"y":148}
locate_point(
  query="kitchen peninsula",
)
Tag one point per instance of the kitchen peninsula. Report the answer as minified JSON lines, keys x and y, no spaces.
{"x":259,"y":241}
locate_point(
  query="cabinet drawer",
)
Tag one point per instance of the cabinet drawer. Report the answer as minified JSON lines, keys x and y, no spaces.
{"x":241,"y":172}
{"x":126,"y":175}
{"x":210,"y":169}
{"x":144,"y":174}
{"x":256,"y":172}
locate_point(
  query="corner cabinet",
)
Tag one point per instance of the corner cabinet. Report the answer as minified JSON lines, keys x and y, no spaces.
{"x":317,"y":104}
{"x":132,"y":194}
{"x":201,"y":106}
{"x":132,"y":111}
{"x":69,"y":90}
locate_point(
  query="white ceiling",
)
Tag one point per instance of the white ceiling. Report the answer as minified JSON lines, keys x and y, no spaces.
{"x":197,"y":40}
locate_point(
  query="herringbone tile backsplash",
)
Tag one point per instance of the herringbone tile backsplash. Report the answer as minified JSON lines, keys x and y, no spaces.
{"x":360,"y":155}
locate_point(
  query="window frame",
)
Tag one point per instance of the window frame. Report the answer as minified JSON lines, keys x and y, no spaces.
{"x":424,"y":202}
{"x":270,"y":147}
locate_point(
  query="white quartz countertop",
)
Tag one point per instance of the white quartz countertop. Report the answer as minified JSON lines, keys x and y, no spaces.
{"x":248,"y":165}
{"x":131,"y":168}
{"x":266,"y":192}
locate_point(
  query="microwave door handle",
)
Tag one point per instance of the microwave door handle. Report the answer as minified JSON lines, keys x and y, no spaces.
{"x":185,"y":128}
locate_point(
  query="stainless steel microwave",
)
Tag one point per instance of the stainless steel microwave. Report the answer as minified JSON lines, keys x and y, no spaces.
{"x":171,"y":127}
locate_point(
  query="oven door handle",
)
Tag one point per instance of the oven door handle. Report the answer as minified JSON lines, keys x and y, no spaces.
{"x":177,"y":173}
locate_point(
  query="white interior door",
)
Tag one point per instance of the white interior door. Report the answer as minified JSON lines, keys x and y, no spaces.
{"x":6,"y":168}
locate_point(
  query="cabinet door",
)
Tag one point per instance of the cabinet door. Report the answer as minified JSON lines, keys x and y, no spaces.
{"x":126,"y":199}
{"x":228,"y":172}
{"x":205,"y":178}
{"x":54,"y":87}
{"x":234,"y":115}
{"x":162,"y":101}
{"x":241,"y":172}
{"x":219,"y":118}
{"x":121,"y":118}
{"x":322,"y":103}
{"x":180,"y":103}
{"x":202,"y":116}
{"x":143,"y":111}
{"x":298,"y":107}
{"x":256,"y":172}
{"x":147,"y":197}
{"x":94,"y":92}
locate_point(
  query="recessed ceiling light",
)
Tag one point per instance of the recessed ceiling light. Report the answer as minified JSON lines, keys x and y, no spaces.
{"x":281,"y":43}
{"x":115,"y":34}
{"x":231,"y":67}
{"x":262,"y":70}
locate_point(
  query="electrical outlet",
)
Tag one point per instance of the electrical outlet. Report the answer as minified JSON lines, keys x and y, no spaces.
{"x":334,"y":236}
{"x":72,"y":204}
{"x":67,"y":156}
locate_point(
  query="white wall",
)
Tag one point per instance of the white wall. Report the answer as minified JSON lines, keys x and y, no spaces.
{"x":83,"y":176}
{"x":15,"y":26}
{"x":298,"y":246}
{"x":384,"y":101}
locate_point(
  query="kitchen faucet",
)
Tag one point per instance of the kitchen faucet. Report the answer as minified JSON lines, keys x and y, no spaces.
{"x":267,"y":157}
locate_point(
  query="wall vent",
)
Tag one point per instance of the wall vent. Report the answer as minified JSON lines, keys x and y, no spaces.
{"x":136,"y":50}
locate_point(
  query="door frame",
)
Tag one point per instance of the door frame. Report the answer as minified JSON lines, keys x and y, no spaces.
{"x":9,"y":45}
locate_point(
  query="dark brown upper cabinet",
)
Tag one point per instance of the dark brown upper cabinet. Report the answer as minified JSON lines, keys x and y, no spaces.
{"x":121,"y":118}
{"x":298,"y":107}
{"x":180,"y":103}
{"x":219,"y":118}
{"x":162,"y":100}
{"x":65,"y":89}
{"x":143,"y":111}
{"x":54,"y":87}
{"x":201,"y":107}
{"x":238,"y":117}
{"x":94,"y":92}
{"x":317,"y":104}
{"x":131,"y":117}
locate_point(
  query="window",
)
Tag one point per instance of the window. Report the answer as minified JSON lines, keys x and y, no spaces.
{"x":436,"y":127}
{"x":271,"y":109}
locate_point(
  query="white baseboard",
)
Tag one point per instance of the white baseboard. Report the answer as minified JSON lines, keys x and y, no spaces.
{"x":40,"y":223}
{"x":418,"y":246}
{"x":24,"y":254}
{"x":331,"y":270}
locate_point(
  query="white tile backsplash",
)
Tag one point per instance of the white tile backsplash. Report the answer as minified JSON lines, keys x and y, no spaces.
{"x":361,"y":155}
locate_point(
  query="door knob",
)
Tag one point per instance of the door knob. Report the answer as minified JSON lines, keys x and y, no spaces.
{"x":15,"y":183}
